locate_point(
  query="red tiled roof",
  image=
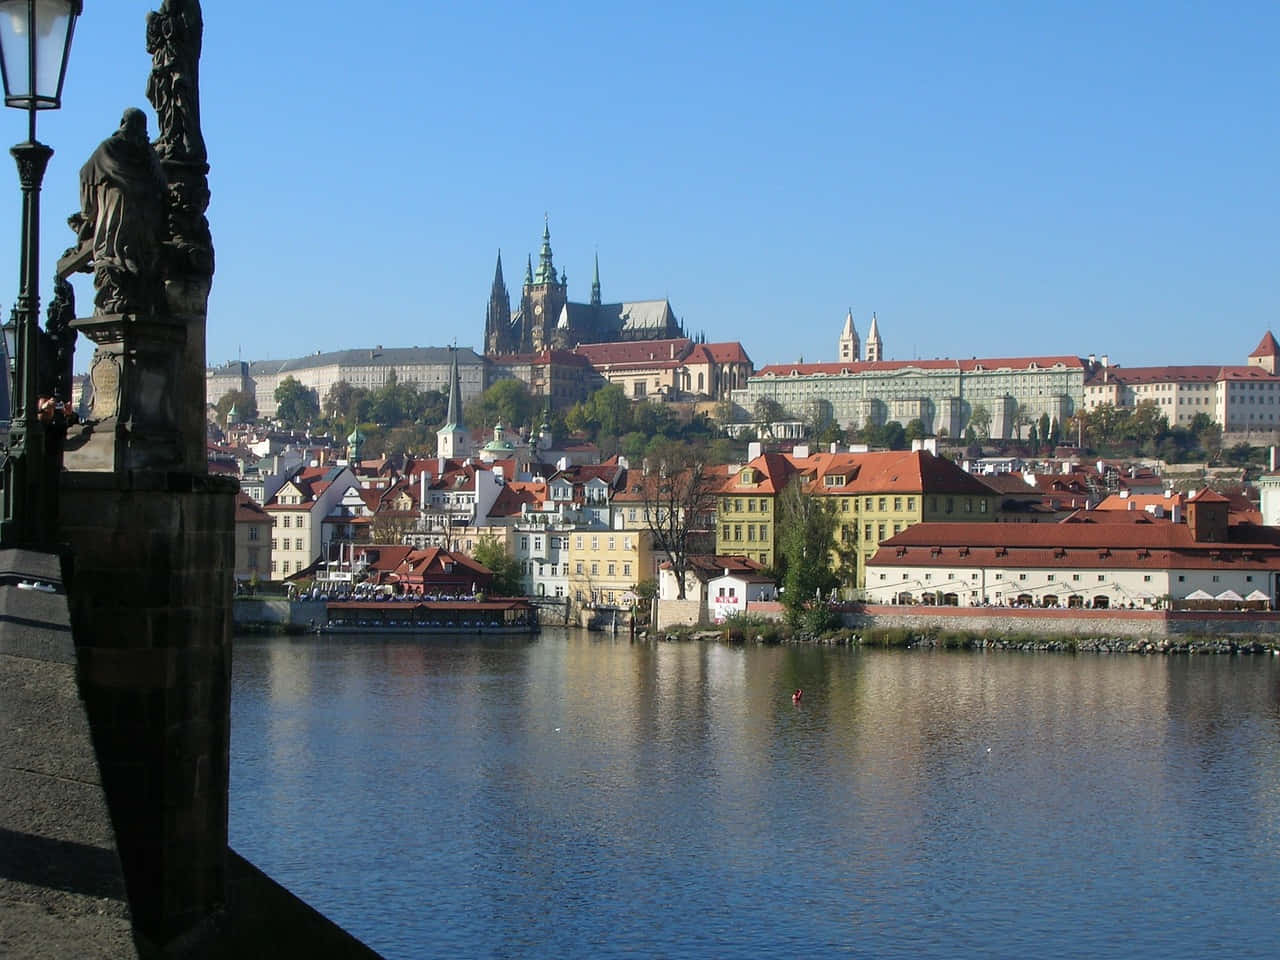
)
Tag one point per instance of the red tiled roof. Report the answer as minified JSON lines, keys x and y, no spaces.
{"x":639,"y":353}
{"x":1085,"y":545}
{"x":974,"y":365}
{"x":248,"y":511}
{"x":1267,"y":347}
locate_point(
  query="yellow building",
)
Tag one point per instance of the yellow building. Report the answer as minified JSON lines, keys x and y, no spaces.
{"x":747,"y":507}
{"x":877,"y":495}
{"x":604,"y":564}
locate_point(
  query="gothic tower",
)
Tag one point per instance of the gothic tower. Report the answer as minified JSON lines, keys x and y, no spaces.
{"x":497,"y":318}
{"x":875,"y":349}
{"x":849,"y":341}
{"x":595,"y":284}
{"x":542,"y":299}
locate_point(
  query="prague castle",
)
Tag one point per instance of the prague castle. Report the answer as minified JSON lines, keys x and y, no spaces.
{"x":546,"y":319}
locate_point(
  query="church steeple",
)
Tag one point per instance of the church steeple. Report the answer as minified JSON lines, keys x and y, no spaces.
{"x":451,"y":439}
{"x":546,"y":269}
{"x":497,"y":319}
{"x":528,"y":271}
{"x":875,"y":348}
{"x":849,"y":340}
{"x":595,"y":284}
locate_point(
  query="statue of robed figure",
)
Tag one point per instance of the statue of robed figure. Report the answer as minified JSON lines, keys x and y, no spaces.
{"x":124,"y":219}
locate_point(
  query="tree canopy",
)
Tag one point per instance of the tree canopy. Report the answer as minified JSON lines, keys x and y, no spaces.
{"x":296,"y":405}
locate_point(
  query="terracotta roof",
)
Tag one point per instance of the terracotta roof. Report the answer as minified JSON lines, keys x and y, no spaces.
{"x":1066,"y":545}
{"x":975,"y":365}
{"x":1267,"y":347}
{"x":640,"y":353}
{"x":729,"y":352}
{"x":1140,"y":501}
{"x":1202,"y":373}
{"x":248,"y":511}
{"x":1207,"y":496}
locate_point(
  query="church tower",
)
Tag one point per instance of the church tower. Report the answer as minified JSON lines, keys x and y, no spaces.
{"x":497,"y":317}
{"x":543,"y":298}
{"x":875,"y":349}
{"x":452,"y":439}
{"x":849,"y":349}
{"x":595,"y":284}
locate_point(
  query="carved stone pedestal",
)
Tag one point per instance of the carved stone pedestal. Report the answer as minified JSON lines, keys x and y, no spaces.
{"x":138,"y":396}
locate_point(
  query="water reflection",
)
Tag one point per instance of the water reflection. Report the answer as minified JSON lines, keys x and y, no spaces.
{"x":581,"y":796}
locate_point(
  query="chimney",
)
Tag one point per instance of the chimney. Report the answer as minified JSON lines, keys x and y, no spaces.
{"x":754,"y":449}
{"x":801,"y":451}
{"x":1105,"y":360}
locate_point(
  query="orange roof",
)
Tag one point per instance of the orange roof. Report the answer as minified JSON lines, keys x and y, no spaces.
{"x":975,"y":365}
{"x":1087,"y":545}
{"x":1140,"y":501}
{"x":1267,"y":347}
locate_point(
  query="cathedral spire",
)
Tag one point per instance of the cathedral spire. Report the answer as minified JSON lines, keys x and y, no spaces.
{"x":499,"y":286}
{"x":546,"y":269}
{"x":595,"y":284}
{"x":528,"y":271}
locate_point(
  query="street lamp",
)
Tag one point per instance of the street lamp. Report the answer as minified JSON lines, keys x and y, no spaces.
{"x":35,"y":39}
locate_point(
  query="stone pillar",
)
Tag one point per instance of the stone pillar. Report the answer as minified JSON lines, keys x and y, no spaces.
{"x":150,"y":597}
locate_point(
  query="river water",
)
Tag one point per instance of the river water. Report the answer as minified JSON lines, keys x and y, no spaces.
{"x":582,"y":796}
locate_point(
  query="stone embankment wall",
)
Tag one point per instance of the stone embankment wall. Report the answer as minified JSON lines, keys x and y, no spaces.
{"x":997,"y":622}
{"x":277,"y":612}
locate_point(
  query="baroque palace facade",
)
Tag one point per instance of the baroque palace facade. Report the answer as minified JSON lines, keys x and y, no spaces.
{"x":941,"y":394}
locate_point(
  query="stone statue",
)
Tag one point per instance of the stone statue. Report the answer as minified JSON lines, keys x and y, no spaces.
{"x":123,"y":219}
{"x":174,"y":37}
{"x":58,"y":343}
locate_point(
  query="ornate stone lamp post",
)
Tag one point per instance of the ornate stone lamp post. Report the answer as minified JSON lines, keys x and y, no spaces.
{"x":35,"y":39}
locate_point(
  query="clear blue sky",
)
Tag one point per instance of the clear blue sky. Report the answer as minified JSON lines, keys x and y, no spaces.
{"x":990,"y":178}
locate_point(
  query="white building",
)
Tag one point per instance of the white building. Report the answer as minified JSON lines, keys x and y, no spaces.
{"x":1139,"y":562}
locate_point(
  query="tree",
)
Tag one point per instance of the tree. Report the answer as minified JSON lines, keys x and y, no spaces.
{"x":611,"y":410}
{"x":980,"y":420}
{"x":805,"y":542}
{"x":679,"y":504}
{"x":491,"y":555}
{"x":766,"y":413}
{"x":915,"y":430}
{"x":244,"y":402}
{"x":388,"y":527}
{"x":340,"y":401}
{"x":296,"y":405}
{"x":507,"y":402}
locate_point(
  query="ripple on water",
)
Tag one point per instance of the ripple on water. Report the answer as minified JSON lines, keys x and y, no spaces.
{"x":584,"y":799}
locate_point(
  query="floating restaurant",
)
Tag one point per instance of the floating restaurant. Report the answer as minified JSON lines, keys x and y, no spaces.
{"x":430,"y":616}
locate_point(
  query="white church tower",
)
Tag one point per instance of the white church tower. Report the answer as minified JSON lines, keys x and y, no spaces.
{"x":849,"y":347}
{"x":875,"y":349}
{"x":452,"y":440}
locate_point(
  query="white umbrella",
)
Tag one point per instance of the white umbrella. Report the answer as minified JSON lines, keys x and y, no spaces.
{"x":1199,"y":595}
{"x":1228,"y":595}
{"x":1257,"y":595}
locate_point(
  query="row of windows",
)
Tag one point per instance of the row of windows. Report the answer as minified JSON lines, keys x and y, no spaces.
{"x":284,"y":544}
{"x":611,"y":568}
{"x":753,"y":505}
{"x":627,"y":543}
{"x":734,"y":532}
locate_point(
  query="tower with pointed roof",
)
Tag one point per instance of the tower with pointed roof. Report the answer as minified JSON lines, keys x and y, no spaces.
{"x":849,"y":348}
{"x":452,"y":439}
{"x":497,"y":318}
{"x":1266,"y":354}
{"x":543,"y":298}
{"x":875,"y":348}
{"x":595,"y":284}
